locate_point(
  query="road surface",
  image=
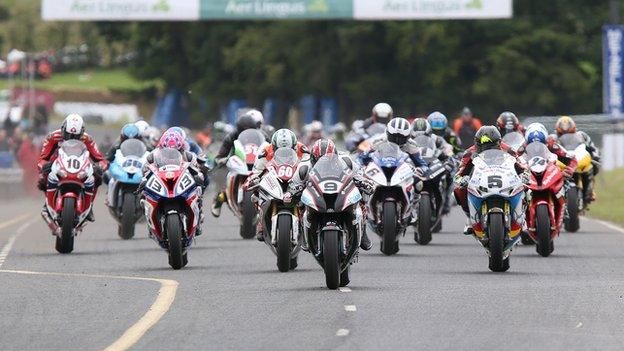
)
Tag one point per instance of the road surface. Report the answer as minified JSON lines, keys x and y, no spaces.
{"x":231,"y":296}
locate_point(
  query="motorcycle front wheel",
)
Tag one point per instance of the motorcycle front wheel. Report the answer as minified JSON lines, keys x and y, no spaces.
{"x":496,"y":233}
{"x":128,"y":213}
{"x":65,"y":242}
{"x":423,"y":229}
{"x":571,"y":223}
{"x":283,"y":249}
{"x":389,"y":242}
{"x":248,"y":211}
{"x":545,"y":245}
{"x":331,"y":259}
{"x":177,"y":258}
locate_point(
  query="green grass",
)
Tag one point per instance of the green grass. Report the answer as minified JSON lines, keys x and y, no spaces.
{"x":609,"y":205}
{"x":91,"y":80}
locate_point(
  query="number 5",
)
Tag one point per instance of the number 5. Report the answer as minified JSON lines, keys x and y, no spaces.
{"x":495,"y":181}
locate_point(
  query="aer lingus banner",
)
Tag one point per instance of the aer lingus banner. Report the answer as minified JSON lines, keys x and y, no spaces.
{"x":120,"y":10}
{"x":276,"y":9}
{"x":431,"y":9}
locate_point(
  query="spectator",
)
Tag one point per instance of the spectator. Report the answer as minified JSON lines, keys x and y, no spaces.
{"x":5,"y":143}
{"x":466,"y":126}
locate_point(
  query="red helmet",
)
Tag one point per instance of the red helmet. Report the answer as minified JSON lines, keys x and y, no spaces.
{"x":172,"y":139}
{"x":321,"y":148}
{"x":507,"y":122}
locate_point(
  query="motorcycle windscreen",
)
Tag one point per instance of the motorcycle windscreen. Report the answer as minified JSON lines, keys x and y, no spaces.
{"x":133,"y":147}
{"x":376,"y":129}
{"x":538,"y":156}
{"x":73,"y":147}
{"x":328,"y":176}
{"x":514,"y":139}
{"x":494,"y":157}
{"x":251,"y":137}
{"x":167,"y":157}
{"x":570,"y":141}
{"x":388,"y":154}
{"x":285,"y":156}
{"x":427,"y":147}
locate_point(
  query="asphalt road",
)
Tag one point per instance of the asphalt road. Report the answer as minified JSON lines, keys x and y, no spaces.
{"x":231,"y":297}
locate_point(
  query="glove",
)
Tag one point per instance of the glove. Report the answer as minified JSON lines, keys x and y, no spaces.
{"x":221,"y":161}
{"x":462,"y":181}
{"x":47,"y":167}
{"x":449,"y":166}
{"x":420,"y":172}
{"x":568,"y":172}
{"x":526,"y":177}
{"x":103,"y":165}
{"x":367,"y":187}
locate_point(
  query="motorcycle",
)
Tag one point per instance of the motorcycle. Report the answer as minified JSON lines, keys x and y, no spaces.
{"x":547,"y":204}
{"x":280,"y":219}
{"x":578,"y":188}
{"x":431,"y":200}
{"x":333,"y":220}
{"x":390,"y":205}
{"x":68,"y":207}
{"x":495,"y":195}
{"x":249,"y":144}
{"x":171,"y":205}
{"x":360,"y":141}
{"x":126,"y":173}
{"x":515,"y":140}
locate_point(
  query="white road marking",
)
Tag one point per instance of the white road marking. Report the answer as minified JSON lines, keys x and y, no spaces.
{"x":344,"y":289}
{"x":157,"y":310}
{"x":580,"y":324}
{"x":350,"y":308}
{"x":6,"y":249}
{"x":607,"y":224}
{"x":342,"y":332}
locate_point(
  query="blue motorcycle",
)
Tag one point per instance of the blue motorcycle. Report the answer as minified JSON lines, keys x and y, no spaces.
{"x":126,"y":172}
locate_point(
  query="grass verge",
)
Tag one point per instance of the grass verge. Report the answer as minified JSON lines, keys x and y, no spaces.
{"x":610,"y":192}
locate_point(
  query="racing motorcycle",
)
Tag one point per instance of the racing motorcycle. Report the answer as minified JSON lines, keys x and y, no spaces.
{"x":431,"y":199}
{"x":126,"y":172}
{"x":280,"y":219}
{"x":390,"y":204}
{"x":515,"y":141}
{"x":333,"y":222}
{"x":171,"y":204}
{"x":577,"y":190}
{"x":547,"y":204}
{"x":495,"y":194}
{"x":249,"y":144}
{"x":68,"y":207}
{"x":360,"y":141}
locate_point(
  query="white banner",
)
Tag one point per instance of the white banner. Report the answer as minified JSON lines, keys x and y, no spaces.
{"x":431,"y":9}
{"x":120,"y":10}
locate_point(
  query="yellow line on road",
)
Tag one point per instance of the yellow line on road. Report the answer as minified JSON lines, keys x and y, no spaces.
{"x":18,"y":219}
{"x":157,"y":310}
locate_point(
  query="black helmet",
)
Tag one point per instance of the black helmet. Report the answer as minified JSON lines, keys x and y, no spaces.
{"x":486,"y":138}
{"x":398,"y":131}
{"x":246,"y":121}
{"x":421,"y":127}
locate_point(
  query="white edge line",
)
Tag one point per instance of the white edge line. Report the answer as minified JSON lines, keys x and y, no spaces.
{"x":6,"y":249}
{"x":344,"y":289}
{"x":350,"y":308}
{"x":342,"y":332}
{"x":607,"y":224}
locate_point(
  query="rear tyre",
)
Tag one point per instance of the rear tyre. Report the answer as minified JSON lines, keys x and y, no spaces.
{"x":423,"y":228}
{"x":389,"y":244}
{"x":283,"y":249}
{"x":174,"y":237}
{"x":496,"y":233}
{"x":331,"y":259}
{"x":248,"y":210}
{"x":344,"y":277}
{"x":128,"y":215}
{"x":65,"y":243}
{"x":542,"y":229}
{"x":571,"y":223}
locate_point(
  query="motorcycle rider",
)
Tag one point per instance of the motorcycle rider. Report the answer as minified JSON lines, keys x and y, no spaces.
{"x":486,"y":138}
{"x":321,"y":148}
{"x":313,"y":132}
{"x":537,"y":132}
{"x":439,"y":126}
{"x":72,"y":128}
{"x":566,"y":125}
{"x":143,"y":127}
{"x":128,"y":131}
{"x":267,"y":129}
{"x":382,"y":113}
{"x":507,"y":122}
{"x":248,"y":120}
{"x":421,"y":126}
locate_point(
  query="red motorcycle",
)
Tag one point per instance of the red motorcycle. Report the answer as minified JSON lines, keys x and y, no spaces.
{"x":69,"y":206}
{"x":547,"y":202}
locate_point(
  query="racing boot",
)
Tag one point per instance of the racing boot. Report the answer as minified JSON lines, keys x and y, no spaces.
{"x":217,"y":203}
{"x":468,"y":230}
{"x":259,"y":231}
{"x":88,"y":198}
{"x":365,"y":243}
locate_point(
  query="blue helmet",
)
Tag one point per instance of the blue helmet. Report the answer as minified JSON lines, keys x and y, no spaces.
{"x":179,"y":130}
{"x":437,"y":120}
{"x":129,"y":131}
{"x":536,"y":132}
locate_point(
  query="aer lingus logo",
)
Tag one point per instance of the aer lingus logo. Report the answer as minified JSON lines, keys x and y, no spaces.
{"x":475,"y":5}
{"x":161,"y":6}
{"x":318,"y":6}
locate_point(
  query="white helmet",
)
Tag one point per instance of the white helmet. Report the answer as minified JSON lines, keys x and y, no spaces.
{"x":382,"y":113}
{"x":142,"y":125}
{"x":73,"y":127}
{"x":284,"y":138}
{"x":153,"y":136}
{"x":316,"y":126}
{"x":257,"y":116}
{"x":398,"y":131}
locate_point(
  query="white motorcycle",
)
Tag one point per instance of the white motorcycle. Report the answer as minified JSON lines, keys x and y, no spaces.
{"x":280,"y":219}
{"x":495,"y":198}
